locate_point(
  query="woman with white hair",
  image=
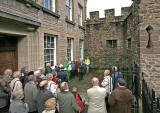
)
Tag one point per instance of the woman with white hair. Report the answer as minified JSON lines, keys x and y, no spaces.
{"x":107,"y":84}
{"x":17,"y":105}
{"x":51,"y":85}
{"x":16,"y":84}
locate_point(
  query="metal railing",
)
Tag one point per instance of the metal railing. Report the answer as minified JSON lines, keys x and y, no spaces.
{"x":150,"y":102}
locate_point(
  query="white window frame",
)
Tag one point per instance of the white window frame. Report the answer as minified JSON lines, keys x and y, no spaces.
{"x":80,"y":15}
{"x":69,"y":17}
{"x":47,"y":46}
{"x":70,"y":49}
{"x":51,"y":5}
{"x":81,"y":47}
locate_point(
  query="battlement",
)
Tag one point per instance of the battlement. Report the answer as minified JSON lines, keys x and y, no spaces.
{"x":94,"y":15}
{"x":125,"y":11}
{"x":110,"y":15}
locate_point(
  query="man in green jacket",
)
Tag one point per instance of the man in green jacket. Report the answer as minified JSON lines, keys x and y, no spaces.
{"x":66,"y":100}
{"x":66,"y":65}
{"x":87,"y":63}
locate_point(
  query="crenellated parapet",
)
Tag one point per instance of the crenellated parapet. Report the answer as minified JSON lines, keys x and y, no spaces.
{"x":94,"y":15}
{"x":110,"y":15}
{"x":125,"y":11}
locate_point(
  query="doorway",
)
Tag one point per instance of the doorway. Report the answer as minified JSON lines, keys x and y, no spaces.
{"x":8,"y":53}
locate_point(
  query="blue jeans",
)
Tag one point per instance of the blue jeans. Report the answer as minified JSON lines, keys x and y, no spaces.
{"x":87,"y":66}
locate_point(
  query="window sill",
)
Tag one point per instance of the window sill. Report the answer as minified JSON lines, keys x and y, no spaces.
{"x":50,"y":12}
{"x":70,"y":22}
{"x":81,"y":27}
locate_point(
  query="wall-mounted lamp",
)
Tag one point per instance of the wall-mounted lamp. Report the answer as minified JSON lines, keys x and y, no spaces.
{"x":149,"y":30}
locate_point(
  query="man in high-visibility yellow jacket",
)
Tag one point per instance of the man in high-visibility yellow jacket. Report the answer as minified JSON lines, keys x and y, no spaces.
{"x":87,"y":63}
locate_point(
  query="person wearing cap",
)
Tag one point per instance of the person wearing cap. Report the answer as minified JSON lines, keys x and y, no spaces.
{"x":121,"y":98}
{"x":3,"y":97}
{"x":43,"y":95}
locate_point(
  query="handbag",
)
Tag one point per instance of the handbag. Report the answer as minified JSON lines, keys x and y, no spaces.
{"x":79,"y":102}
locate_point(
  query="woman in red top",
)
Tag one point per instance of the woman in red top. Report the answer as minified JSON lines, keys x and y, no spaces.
{"x":76,"y":68}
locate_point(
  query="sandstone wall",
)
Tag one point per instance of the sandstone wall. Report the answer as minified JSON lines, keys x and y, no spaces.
{"x":31,"y":43}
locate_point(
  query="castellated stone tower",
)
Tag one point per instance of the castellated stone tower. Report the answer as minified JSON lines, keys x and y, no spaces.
{"x":126,"y":40}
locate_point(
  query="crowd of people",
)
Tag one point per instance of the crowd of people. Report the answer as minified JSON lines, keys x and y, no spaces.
{"x":46,"y":90}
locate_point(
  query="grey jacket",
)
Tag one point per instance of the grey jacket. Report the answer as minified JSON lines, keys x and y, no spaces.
{"x":30,"y":92}
{"x":3,"y":98}
{"x":17,"y":106}
{"x":6,"y":84}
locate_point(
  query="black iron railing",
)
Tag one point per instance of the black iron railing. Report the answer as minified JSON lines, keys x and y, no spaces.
{"x":150,"y":102}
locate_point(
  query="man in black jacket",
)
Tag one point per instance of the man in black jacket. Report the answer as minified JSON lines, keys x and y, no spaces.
{"x":62,"y":75}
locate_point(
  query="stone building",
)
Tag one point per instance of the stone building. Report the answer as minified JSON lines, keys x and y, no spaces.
{"x":34,"y":32}
{"x":132,"y":38}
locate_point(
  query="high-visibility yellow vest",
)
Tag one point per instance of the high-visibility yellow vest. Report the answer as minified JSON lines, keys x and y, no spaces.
{"x":87,"y":61}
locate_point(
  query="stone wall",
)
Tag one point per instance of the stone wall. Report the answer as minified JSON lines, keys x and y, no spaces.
{"x":149,"y":11}
{"x":98,"y":31}
{"x":31,"y":37}
{"x":132,"y":37}
{"x":133,"y":29}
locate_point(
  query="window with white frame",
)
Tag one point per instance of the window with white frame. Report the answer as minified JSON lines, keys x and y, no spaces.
{"x":80,"y":14}
{"x":50,"y":49}
{"x":81,"y":46}
{"x":50,"y":5}
{"x":69,"y":10}
{"x":70,"y":49}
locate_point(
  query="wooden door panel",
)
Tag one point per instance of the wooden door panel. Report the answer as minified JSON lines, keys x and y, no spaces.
{"x":8,"y":60}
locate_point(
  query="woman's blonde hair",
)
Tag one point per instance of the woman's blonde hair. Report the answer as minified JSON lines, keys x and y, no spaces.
{"x":106,"y":72}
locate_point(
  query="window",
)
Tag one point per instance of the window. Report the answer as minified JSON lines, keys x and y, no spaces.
{"x":50,"y":4}
{"x":80,"y":18}
{"x":50,"y":49}
{"x":111,"y":43}
{"x":69,"y":9}
{"x":81,"y":46}
{"x":70,"y":49}
{"x":129,"y":43}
